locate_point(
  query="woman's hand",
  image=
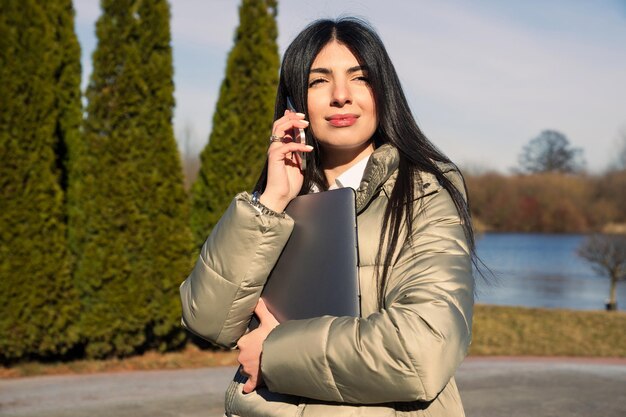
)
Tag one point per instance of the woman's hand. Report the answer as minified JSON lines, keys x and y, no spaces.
{"x":251,"y":347}
{"x":284,"y":177}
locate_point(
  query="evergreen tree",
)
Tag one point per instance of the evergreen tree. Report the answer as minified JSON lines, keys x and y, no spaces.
{"x":131,"y":235}
{"x":40,"y":113}
{"x":242,"y":122}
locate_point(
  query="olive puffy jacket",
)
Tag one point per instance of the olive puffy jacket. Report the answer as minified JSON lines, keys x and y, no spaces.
{"x":396,"y":361}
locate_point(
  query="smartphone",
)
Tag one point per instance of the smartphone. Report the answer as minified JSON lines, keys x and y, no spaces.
{"x":298,"y":135}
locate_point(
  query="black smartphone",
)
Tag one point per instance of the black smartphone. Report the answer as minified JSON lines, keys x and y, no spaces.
{"x":298,"y":135}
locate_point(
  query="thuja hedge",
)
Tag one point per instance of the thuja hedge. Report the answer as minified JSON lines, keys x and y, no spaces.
{"x":242,"y":122}
{"x":39,"y":116}
{"x":130,"y":235}
{"x":94,"y":221}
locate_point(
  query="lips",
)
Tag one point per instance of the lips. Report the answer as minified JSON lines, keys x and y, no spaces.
{"x":342,"y":120}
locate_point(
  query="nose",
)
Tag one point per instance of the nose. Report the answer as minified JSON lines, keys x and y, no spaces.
{"x":340,"y":94}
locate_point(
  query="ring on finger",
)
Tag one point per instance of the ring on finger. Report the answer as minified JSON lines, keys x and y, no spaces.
{"x":275,"y":138}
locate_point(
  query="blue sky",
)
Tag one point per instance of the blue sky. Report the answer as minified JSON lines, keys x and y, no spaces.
{"x":483,"y":77}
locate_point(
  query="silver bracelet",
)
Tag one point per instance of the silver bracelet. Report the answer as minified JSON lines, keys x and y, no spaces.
{"x":263,"y":208}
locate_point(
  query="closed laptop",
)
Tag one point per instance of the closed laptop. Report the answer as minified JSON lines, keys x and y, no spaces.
{"x":317,"y":272}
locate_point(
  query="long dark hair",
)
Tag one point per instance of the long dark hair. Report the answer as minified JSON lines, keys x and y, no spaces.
{"x":396,"y":126}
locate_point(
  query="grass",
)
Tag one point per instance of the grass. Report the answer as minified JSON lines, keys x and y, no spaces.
{"x":190,"y":357}
{"x":517,"y":331}
{"x":498,"y":331}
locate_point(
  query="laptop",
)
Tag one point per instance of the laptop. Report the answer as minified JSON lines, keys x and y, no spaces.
{"x":317,"y":272}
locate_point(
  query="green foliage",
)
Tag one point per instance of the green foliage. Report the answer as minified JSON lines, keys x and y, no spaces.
{"x":242,"y":123}
{"x":129,"y":217}
{"x":40,"y":113}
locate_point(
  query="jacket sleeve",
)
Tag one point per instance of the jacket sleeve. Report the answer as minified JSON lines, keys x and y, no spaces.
{"x":219,"y":296}
{"x":409,"y":350}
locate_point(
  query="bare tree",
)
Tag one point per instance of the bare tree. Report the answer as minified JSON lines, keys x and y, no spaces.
{"x":607,"y":255}
{"x":189,"y":158}
{"x":551,"y":152}
{"x":621,"y":151}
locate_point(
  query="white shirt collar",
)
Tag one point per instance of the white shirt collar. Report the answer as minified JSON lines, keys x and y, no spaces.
{"x":352,"y":176}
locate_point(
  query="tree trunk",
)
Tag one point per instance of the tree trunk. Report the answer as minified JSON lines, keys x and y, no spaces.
{"x":612,"y":304}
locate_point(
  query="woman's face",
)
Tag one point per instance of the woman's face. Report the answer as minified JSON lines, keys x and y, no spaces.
{"x":342,"y":111}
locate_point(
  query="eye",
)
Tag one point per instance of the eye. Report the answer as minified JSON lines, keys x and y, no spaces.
{"x":362,"y":79}
{"x":316,"y":81}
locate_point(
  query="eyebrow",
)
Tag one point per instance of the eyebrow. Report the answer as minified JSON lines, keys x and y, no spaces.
{"x":327,"y":71}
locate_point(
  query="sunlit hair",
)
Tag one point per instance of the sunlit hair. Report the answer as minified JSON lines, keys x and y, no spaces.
{"x":396,"y":125}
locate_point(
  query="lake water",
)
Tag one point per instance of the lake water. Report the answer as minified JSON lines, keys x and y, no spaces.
{"x":541,"y":270}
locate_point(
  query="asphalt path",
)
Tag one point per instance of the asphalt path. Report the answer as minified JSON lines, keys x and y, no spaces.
{"x":490,"y":387}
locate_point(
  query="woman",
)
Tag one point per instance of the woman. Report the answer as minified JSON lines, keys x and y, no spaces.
{"x":415,"y":248}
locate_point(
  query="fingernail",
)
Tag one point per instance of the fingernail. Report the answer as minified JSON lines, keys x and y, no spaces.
{"x":305,"y":121}
{"x":300,"y":114}
{"x":309,"y":147}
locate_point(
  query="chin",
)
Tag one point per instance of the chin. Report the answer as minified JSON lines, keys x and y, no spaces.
{"x":342,"y":145}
